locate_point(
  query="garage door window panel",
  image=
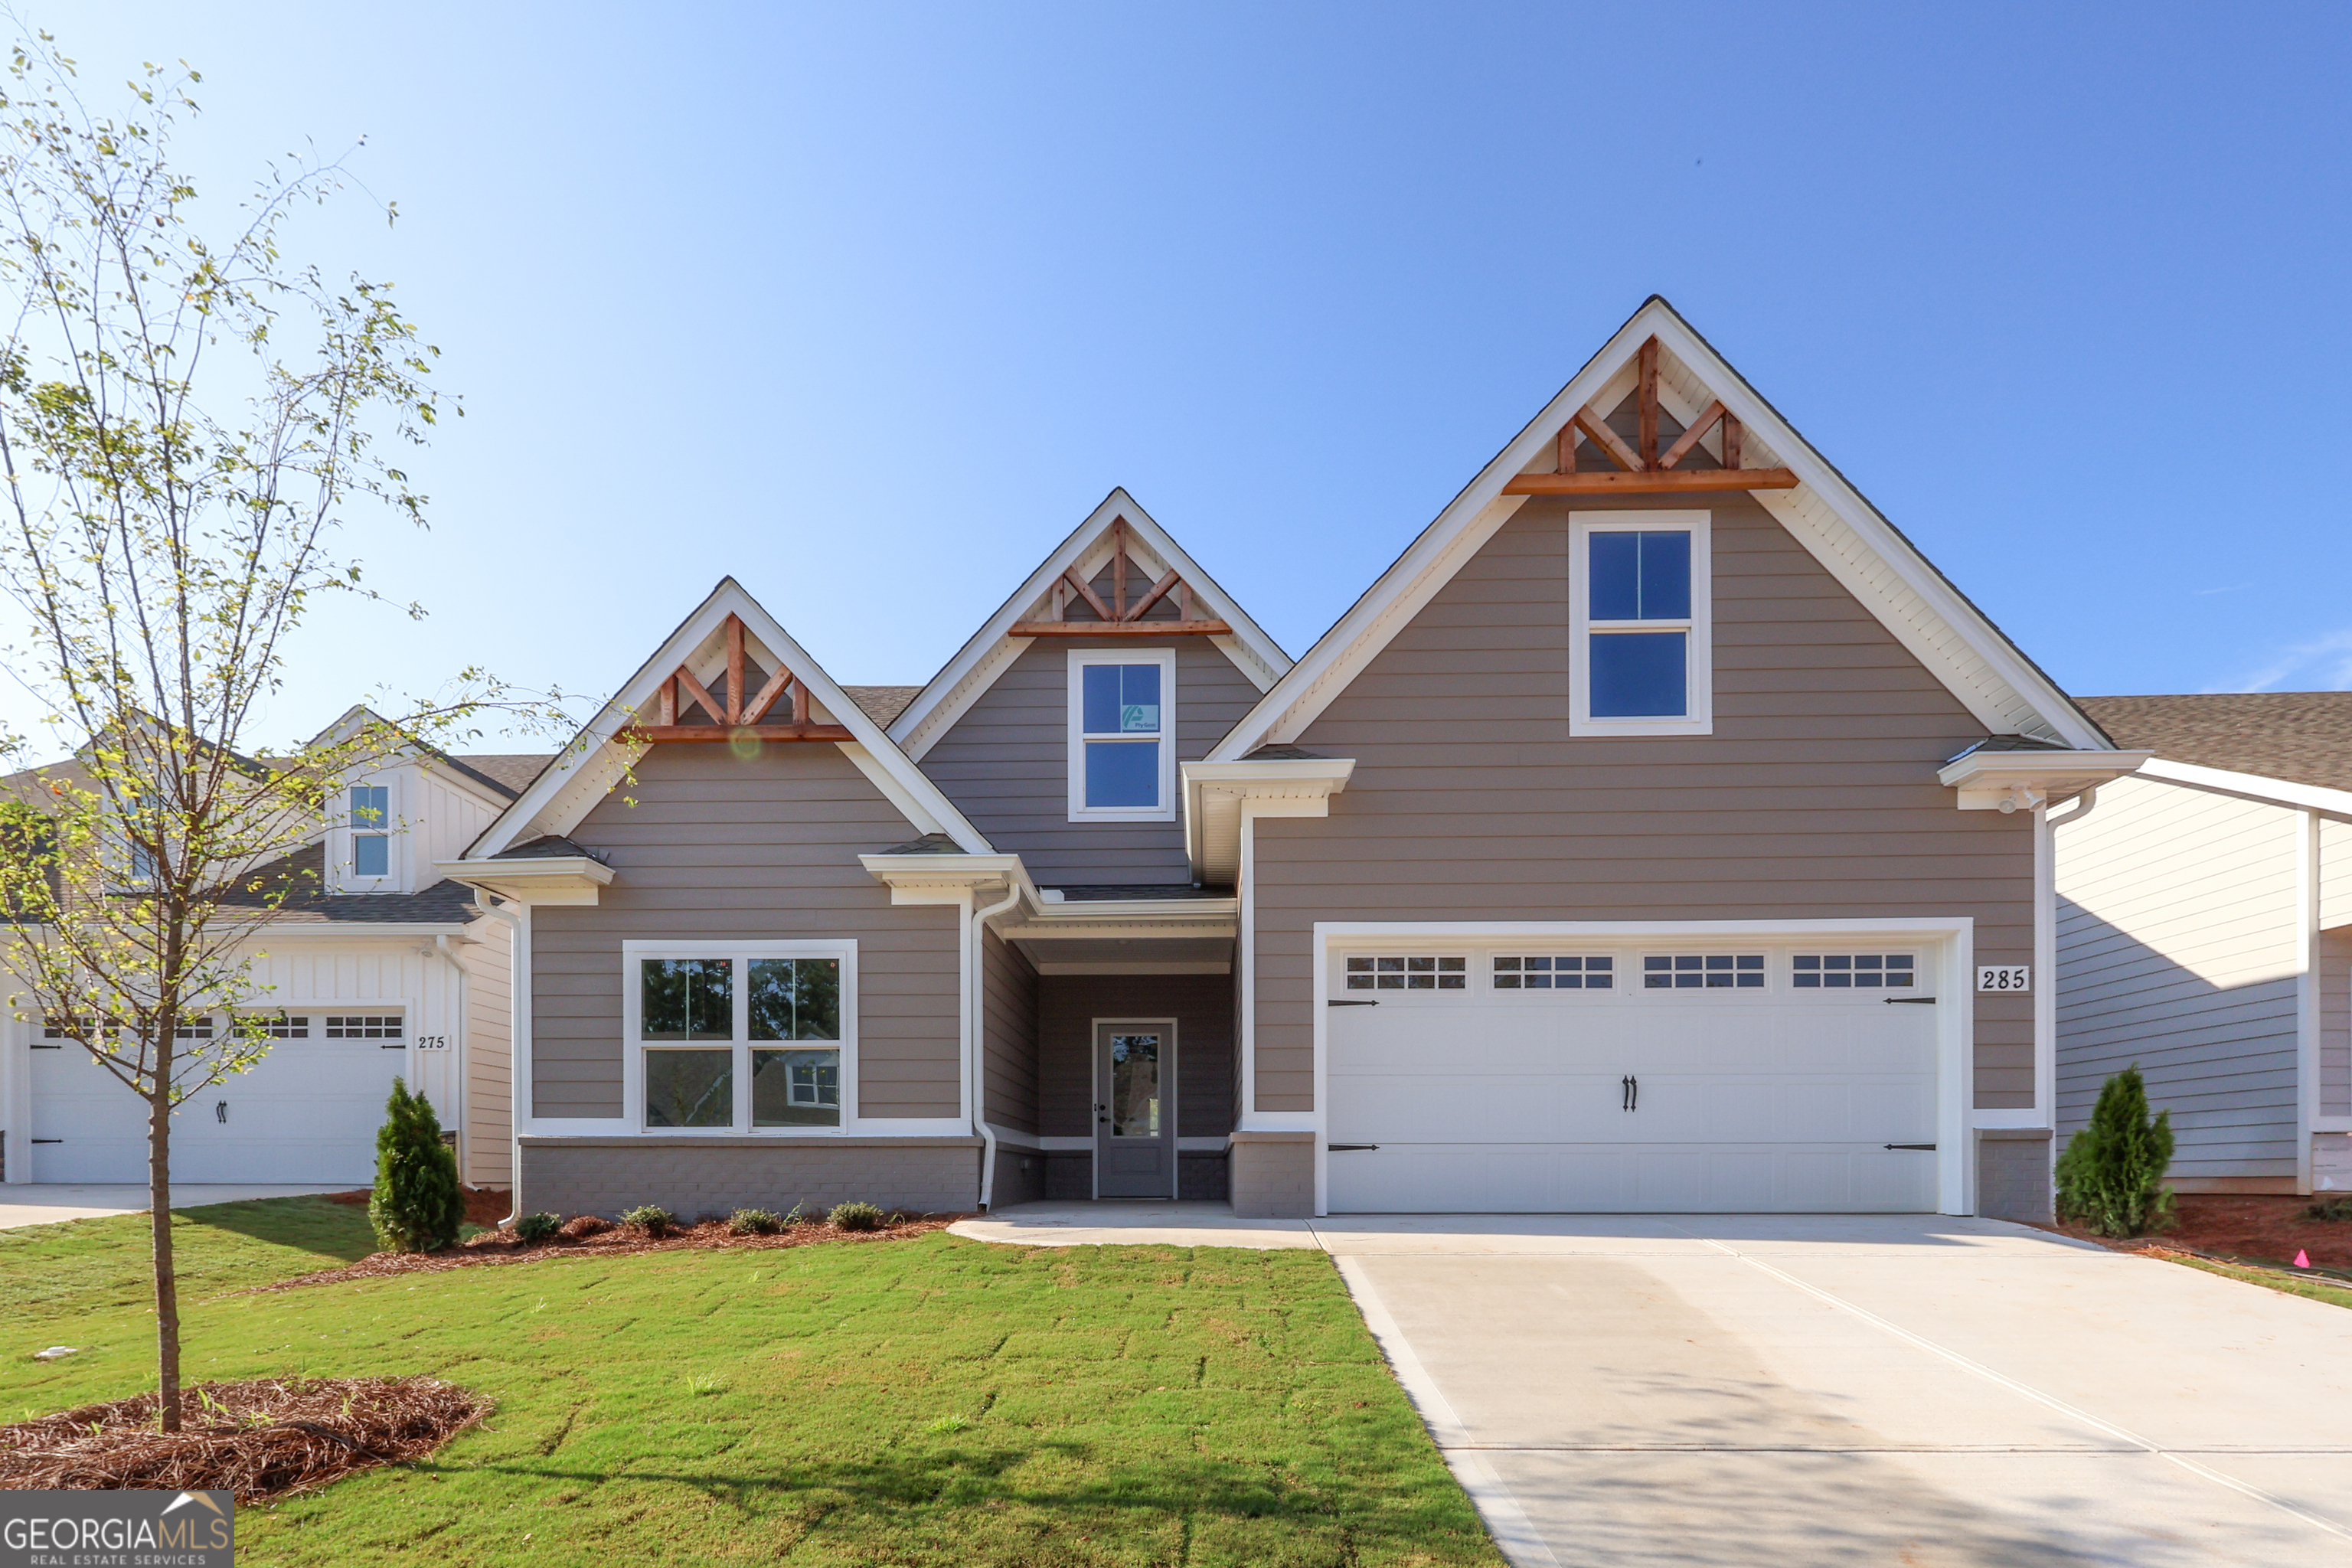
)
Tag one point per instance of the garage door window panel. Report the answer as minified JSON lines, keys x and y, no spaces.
{"x":1702,"y":972}
{"x":1408,"y":972}
{"x":1640,"y":598}
{"x":1554,"y":972}
{"x":1853,"y":970}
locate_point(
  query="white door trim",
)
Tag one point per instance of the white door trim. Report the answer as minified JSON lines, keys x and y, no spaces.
{"x":1950,"y":939}
{"x":1167,"y":1027}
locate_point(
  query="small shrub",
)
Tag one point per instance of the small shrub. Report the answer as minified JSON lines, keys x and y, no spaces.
{"x":2111,"y":1177}
{"x":417,"y":1206}
{"x":581,"y":1227}
{"x":755,"y":1222}
{"x":530,"y":1229}
{"x":650,"y":1218}
{"x":2338,"y":1207}
{"x":855,"y":1216}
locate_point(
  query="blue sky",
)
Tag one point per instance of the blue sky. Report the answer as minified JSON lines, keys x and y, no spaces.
{"x":868,"y":305}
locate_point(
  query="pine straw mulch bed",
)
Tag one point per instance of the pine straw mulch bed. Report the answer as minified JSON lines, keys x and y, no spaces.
{"x":582,"y":1239}
{"x":260,"y":1439}
{"x":2251,"y":1229}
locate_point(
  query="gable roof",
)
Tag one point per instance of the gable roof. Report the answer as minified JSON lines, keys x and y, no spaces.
{"x":586,"y":770}
{"x":976,"y":665}
{"x":484,"y":773}
{"x":1982,"y":669}
{"x":2302,"y":737}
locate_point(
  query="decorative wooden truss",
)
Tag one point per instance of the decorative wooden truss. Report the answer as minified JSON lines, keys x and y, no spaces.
{"x":736,"y":718}
{"x":1119,"y":618}
{"x":1647,"y":470}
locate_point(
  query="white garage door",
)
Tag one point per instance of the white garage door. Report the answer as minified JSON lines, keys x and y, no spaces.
{"x":1599,"y":1079}
{"x":308,"y":1113}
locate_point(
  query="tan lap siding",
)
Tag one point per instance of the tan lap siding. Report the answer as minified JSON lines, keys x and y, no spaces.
{"x":1815,"y":798}
{"x":1006,"y":762}
{"x":490,"y":1067}
{"x":1010,"y":1021}
{"x":722,"y":848}
{"x":1203,"y":1007}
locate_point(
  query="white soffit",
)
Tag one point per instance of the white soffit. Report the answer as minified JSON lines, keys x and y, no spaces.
{"x":588,"y":769}
{"x":976,"y":666}
{"x":1980,"y":665}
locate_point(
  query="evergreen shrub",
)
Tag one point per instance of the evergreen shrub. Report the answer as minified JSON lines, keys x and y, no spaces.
{"x":417,"y":1204}
{"x":2111,"y":1177}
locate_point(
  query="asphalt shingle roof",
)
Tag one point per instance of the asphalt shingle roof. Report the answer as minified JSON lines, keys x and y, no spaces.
{"x":2304,"y":737}
{"x":882,"y":703}
{"x":302,"y":877}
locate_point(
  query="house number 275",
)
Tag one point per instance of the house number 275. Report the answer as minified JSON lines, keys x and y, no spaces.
{"x":2004,"y":977}
{"x":432,"y":1042}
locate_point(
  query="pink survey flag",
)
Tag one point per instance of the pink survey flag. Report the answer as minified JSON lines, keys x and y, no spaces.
{"x":2302,"y":1259}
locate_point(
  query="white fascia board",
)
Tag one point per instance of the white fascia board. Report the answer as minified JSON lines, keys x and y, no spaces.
{"x":1325,"y":669}
{"x":1295,"y":786}
{"x":1099,"y":909}
{"x":2010,"y":780}
{"x":2256,"y":787}
{"x":545,"y":808}
{"x":976,"y":665}
{"x":947,"y":878}
{"x":292,"y":931}
{"x":540,"y":879}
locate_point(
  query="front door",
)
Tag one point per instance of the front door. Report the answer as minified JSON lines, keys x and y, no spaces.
{"x":1134,"y":1109}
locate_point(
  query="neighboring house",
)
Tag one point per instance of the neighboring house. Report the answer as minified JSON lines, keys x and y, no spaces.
{"x":2205,"y":934}
{"x":1660,"y":832}
{"x":375,"y":966}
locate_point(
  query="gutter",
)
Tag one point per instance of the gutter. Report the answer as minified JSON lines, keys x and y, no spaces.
{"x":979,"y":939}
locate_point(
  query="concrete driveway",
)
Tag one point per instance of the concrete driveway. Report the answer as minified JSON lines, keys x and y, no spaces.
{"x":1906,"y":1390}
{"x":34,"y":1203}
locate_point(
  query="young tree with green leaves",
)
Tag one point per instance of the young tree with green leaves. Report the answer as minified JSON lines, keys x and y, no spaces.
{"x":186,"y":418}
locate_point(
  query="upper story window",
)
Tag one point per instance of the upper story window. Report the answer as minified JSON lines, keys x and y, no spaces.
{"x":371,"y":831}
{"x":1641,"y":649}
{"x":1122,"y":735}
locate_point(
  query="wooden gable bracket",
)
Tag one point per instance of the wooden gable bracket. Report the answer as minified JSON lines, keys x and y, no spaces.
{"x":1119,"y":618}
{"x":738,"y":719}
{"x":1642,"y":469}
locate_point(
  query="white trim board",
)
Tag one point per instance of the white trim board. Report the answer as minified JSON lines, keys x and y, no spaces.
{"x":2254,"y":787}
{"x":588,"y":768}
{"x":976,"y":666}
{"x":1979,"y":665}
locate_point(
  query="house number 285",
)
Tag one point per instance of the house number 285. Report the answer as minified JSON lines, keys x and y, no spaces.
{"x":2004,"y":977}
{"x":432,"y":1042}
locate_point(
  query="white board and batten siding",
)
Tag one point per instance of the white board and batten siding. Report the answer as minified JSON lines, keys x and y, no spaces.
{"x":2180,"y":950}
{"x":307,"y":1111}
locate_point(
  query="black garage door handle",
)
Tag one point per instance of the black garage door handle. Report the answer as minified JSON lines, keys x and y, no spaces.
{"x":1351,"y":1001}
{"x":1930,"y":1147}
{"x":1914,"y":1001}
{"x":1349,"y":1148}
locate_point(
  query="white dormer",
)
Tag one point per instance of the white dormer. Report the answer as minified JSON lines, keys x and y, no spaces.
{"x":370,"y":849}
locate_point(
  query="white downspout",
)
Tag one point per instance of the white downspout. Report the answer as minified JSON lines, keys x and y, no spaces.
{"x":518,"y":1036}
{"x":2045,"y":958}
{"x":979,"y":1004}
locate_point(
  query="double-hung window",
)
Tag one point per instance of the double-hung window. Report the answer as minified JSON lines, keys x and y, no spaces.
{"x":371,"y":827}
{"x":1640,"y":651}
{"x":1122,"y":710}
{"x":736,"y":1037}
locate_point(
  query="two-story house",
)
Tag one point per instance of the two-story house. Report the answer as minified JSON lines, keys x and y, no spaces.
{"x":1661,"y":831}
{"x":371,"y":965}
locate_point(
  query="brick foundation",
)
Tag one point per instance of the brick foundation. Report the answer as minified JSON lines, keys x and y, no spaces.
{"x":2014,"y":1175}
{"x":1272,"y":1176}
{"x":695,"y":1177}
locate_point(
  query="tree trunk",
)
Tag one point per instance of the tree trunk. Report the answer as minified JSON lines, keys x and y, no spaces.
{"x":159,"y":1198}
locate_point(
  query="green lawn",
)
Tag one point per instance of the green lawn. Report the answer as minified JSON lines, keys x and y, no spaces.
{"x":934,"y":1400}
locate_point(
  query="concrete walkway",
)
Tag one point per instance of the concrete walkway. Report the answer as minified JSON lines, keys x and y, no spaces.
{"x":1835,"y":1390}
{"x":33,"y":1203}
